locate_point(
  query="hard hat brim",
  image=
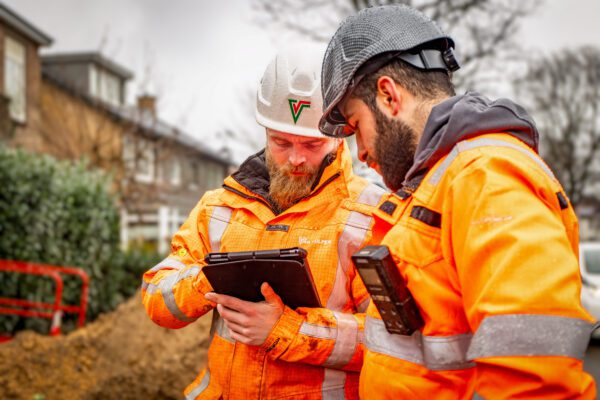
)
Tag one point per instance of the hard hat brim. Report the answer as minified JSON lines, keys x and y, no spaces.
{"x":287,"y":128}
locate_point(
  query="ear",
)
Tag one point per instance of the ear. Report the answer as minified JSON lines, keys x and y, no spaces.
{"x":389,"y":97}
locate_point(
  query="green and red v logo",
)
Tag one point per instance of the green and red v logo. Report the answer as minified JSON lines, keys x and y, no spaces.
{"x":296,"y":107}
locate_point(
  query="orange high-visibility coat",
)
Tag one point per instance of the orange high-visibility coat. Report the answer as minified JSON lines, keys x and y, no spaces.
{"x":311,"y":353}
{"x":488,"y":247}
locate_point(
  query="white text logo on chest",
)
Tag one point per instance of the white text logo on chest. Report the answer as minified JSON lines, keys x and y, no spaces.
{"x":305,"y":240}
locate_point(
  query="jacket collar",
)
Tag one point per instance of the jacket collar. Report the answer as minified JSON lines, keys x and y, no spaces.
{"x":464,"y":117}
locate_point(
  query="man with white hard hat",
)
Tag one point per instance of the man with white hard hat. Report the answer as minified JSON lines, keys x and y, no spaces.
{"x":297,"y":192}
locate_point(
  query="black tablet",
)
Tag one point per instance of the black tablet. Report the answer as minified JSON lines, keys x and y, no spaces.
{"x":240,"y":274}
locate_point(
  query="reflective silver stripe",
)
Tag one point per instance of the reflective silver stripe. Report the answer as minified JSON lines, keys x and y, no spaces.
{"x":221,"y":328}
{"x":333,"y":385}
{"x":371,"y":195}
{"x":447,"y":352}
{"x":345,"y":342}
{"x":433,"y":352}
{"x":167,"y":263}
{"x":149,"y":287}
{"x":201,"y":387}
{"x":152,"y":288}
{"x":349,"y":242}
{"x":346,"y":335}
{"x":530,"y":335}
{"x":166,"y":289}
{"x":439,"y":172}
{"x":318,"y":331}
{"x":474,"y":144}
{"x":362,"y":307}
{"x":219,"y":220}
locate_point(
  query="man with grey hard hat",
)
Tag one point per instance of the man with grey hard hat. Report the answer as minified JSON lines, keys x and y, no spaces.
{"x":483,"y":233}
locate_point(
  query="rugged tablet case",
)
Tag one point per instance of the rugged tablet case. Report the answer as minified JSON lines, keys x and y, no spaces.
{"x":240,"y":274}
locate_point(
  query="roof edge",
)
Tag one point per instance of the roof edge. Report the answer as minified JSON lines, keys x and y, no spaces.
{"x":87,"y":56}
{"x":24,"y":27}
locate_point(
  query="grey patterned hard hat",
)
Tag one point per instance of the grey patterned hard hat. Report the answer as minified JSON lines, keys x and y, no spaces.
{"x":378,"y":35}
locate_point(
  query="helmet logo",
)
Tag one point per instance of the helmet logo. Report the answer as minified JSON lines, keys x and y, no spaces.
{"x":296,"y":107}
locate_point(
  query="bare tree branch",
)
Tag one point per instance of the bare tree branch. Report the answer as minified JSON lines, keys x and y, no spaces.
{"x":563,"y":90}
{"x":482,"y":29}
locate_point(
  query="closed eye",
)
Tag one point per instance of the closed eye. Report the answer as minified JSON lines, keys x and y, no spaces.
{"x":282,"y":143}
{"x":313,"y":146}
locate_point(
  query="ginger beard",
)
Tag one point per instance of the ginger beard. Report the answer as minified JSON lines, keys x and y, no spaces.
{"x":286,"y":188}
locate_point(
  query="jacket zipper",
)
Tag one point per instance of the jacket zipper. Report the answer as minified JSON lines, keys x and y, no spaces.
{"x":327,"y":182}
{"x":246,"y":196}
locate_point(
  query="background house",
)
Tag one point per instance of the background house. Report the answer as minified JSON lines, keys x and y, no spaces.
{"x":72,"y":106}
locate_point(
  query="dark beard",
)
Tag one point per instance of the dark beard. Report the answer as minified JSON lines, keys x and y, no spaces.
{"x":395,"y":147}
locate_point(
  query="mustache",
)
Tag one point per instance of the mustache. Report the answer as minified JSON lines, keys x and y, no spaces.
{"x":290,"y":169}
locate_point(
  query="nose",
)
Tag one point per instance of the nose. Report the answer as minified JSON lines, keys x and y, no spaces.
{"x":296,"y":157}
{"x":362,"y":153}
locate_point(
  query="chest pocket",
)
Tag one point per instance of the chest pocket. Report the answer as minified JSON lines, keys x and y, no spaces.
{"x":424,"y":223}
{"x":420,"y":244}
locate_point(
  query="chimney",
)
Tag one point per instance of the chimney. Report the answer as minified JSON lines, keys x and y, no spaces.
{"x":147,"y":104}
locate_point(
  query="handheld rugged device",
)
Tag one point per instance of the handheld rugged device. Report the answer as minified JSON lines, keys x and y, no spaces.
{"x":387,"y":289}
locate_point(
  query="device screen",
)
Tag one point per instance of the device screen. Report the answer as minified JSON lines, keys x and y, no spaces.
{"x":370,"y":276}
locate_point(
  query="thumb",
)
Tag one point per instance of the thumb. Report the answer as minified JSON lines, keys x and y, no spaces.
{"x":269,"y":294}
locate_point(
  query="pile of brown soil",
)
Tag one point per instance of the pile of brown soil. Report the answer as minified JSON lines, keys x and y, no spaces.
{"x":122,"y":355}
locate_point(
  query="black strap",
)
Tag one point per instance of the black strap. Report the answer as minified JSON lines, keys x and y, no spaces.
{"x":562,"y":200}
{"x":388,"y":207}
{"x":427,"y":216}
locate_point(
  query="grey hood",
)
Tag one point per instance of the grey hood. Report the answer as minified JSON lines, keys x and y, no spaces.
{"x":464,"y":117}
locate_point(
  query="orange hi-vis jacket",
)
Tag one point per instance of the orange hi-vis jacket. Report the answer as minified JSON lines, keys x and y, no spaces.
{"x":487,"y":244}
{"x":311,"y":353}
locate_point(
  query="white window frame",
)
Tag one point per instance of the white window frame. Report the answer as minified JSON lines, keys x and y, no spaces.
{"x":110,"y":88}
{"x":93,"y":78}
{"x":104,"y":85}
{"x":15,"y":78}
{"x":175,"y":172}
{"x":195,"y":170}
{"x":145,"y":160}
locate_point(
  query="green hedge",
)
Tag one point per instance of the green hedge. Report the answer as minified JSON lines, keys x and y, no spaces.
{"x":60,"y":213}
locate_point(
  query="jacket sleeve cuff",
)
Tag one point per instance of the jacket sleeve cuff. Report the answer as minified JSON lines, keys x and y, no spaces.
{"x":282,"y":334}
{"x":201,"y":284}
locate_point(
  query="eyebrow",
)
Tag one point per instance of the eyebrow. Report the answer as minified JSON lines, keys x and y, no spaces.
{"x":274,"y":136}
{"x":314,"y":141}
{"x":311,"y":141}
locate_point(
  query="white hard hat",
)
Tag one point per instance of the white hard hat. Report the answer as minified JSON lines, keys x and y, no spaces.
{"x":289,"y":97}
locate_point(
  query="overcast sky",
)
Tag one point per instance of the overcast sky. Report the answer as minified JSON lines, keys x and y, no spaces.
{"x":203,"y":59}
